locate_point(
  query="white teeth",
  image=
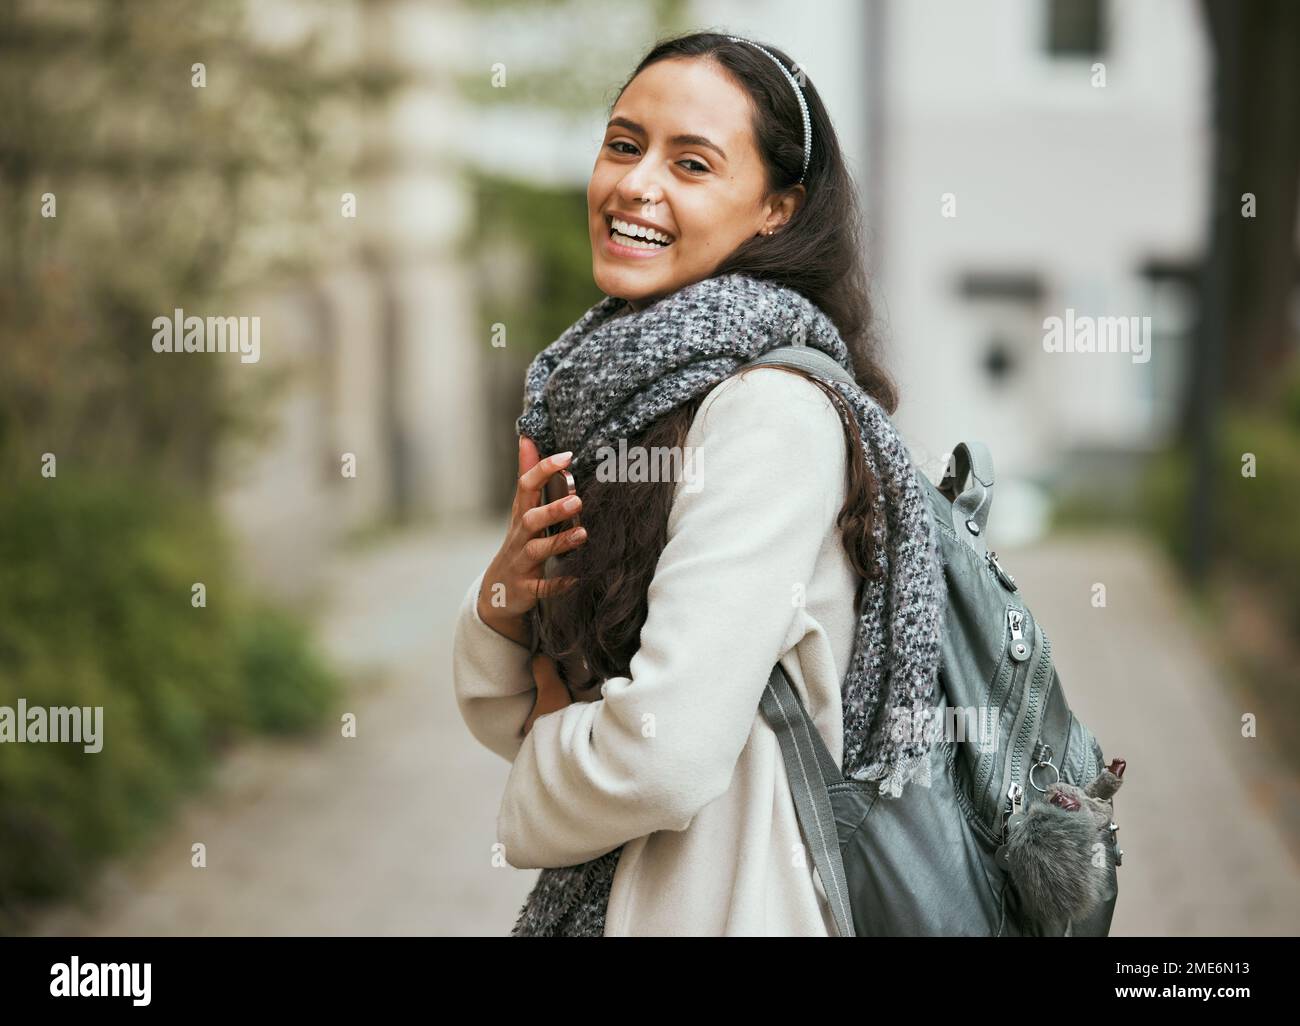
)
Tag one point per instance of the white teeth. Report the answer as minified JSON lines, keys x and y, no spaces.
{"x":630,"y":243}
{"x":637,"y":231}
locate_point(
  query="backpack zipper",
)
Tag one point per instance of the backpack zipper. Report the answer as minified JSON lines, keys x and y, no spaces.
{"x":1027,"y":720}
{"x":1090,"y":765}
{"x":990,"y":834}
{"x":1015,"y":647}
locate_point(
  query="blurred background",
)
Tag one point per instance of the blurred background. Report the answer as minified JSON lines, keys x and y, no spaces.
{"x":397,"y":190}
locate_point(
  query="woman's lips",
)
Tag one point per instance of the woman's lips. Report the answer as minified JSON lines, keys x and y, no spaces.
{"x":616,"y":249}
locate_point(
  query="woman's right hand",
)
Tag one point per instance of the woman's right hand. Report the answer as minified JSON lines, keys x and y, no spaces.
{"x":520,"y":563}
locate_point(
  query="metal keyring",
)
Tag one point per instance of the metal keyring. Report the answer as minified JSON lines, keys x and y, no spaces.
{"x":1031,"y":775}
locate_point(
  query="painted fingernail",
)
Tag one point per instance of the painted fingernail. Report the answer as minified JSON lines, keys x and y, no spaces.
{"x":562,"y":457}
{"x":571,"y":502}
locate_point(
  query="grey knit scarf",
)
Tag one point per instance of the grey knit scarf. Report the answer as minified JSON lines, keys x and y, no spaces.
{"x":614,"y":372}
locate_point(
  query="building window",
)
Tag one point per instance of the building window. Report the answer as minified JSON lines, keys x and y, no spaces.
{"x":1076,"y":28}
{"x":999,"y":363}
{"x":1005,"y":314}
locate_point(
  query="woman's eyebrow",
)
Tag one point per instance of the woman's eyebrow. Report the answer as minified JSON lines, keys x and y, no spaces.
{"x":681,"y":140}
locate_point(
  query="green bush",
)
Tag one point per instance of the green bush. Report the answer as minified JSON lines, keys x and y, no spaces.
{"x":95,"y":610}
{"x":286,"y":684}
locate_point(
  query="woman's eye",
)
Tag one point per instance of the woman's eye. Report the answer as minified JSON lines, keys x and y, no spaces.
{"x":696,"y":167}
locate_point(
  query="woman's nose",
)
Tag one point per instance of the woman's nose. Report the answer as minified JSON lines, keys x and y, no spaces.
{"x":637,"y":187}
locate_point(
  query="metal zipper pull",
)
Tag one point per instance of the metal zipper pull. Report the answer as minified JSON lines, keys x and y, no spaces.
{"x":1043,"y":757}
{"x":1012,"y":818}
{"x":1003,"y":576}
{"x":1016,"y":622}
{"x":1015,"y":795}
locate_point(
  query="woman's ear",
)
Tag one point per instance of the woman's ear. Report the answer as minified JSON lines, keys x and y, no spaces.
{"x":782,"y":209}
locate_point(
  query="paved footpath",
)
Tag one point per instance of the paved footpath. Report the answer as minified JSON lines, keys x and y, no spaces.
{"x":1207,"y":817}
{"x":390,"y":833}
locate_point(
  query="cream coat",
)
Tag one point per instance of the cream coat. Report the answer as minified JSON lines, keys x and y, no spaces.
{"x":675,"y":760}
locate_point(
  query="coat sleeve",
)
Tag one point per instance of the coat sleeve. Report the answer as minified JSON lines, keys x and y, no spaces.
{"x":494,"y":688}
{"x":743,"y":536}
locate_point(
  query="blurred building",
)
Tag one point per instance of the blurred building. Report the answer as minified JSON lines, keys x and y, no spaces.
{"x":1003,"y":184}
{"x":383,"y":340}
{"x":1010,"y":185}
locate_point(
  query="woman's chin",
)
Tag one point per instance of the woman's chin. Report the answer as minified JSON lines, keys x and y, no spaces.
{"x":633,"y":284}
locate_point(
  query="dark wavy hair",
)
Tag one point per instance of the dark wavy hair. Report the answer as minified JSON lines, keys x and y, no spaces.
{"x":593,"y":629}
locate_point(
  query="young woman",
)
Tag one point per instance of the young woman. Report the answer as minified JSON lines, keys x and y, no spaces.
{"x":723,"y":224}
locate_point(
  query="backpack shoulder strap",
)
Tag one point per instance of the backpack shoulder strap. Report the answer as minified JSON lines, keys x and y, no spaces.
{"x":810,"y":771}
{"x":814,"y":361}
{"x":970,"y":503}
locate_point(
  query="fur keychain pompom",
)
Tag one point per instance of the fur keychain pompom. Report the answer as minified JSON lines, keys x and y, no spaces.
{"x":1051,"y":854}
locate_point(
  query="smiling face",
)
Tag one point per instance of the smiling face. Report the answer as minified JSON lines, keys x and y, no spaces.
{"x":680,"y":167}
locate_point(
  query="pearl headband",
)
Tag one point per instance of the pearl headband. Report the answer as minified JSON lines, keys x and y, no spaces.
{"x":803,"y":107}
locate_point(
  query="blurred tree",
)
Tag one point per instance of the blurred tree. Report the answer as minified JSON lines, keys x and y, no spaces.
{"x":1256,"y":48}
{"x":177,"y":155}
{"x":572,"y":75}
{"x":153,"y":156}
{"x":1245,"y":336}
